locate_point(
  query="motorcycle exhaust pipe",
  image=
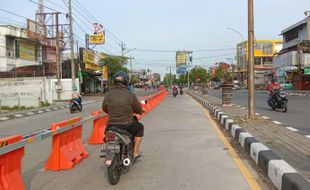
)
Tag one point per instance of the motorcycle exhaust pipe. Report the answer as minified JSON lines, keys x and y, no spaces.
{"x":126,"y":162}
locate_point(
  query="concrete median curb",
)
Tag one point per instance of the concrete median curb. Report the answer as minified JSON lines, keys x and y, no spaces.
{"x":282,"y":175}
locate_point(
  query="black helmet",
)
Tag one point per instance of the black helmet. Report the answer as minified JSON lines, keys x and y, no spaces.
{"x":121,"y":77}
{"x":273,"y":80}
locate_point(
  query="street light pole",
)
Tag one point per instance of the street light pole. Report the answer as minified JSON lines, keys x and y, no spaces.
{"x":236,"y":31}
{"x":251,"y":97}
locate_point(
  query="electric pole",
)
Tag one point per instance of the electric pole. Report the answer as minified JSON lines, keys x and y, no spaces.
{"x":251,"y":95}
{"x":71,"y":43}
{"x":130,"y":74}
{"x":58,"y":88}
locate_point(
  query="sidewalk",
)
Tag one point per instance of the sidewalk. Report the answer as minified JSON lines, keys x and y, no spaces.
{"x":289,"y":145}
{"x":181,"y":151}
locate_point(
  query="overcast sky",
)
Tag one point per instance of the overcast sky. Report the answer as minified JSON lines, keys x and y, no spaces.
{"x":172,"y":25}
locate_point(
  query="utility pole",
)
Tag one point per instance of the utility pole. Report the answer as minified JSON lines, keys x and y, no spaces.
{"x":71,"y":44}
{"x":251,"y":95}
{"x":130,"y":74}
{"x":188,"y":66}
{"x":58,"y":87}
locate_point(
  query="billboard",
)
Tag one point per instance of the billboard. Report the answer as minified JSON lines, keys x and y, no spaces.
{"x":27,"y":51}
{"x":105,"y":73}
{"x":181,"y":59}
{"x":88,"y":58}
{"x":35,"y":30}
{"x":94,"y":39}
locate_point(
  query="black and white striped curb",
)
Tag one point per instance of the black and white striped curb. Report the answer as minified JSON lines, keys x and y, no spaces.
{"x":30,"y":113}
{"x":282,"y":175}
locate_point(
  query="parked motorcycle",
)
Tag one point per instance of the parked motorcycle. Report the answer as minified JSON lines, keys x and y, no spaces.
{"x":118,"y":151}
{"x":75,"y":106}
{"x":279,"y":100}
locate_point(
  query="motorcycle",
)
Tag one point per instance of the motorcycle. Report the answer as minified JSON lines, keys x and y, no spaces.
{"x":118,"y":151}
{"x":181,"y":91}
{"x":279,"y":100}
{"x":175,"y":92}
{"x":75,"y":106}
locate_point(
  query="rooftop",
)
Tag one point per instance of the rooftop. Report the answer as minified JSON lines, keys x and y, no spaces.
{"x":304,"y":21}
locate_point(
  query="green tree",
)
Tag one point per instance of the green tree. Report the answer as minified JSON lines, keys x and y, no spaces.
{"x":134,"y":79}
{"x":114,"y":64}
{"x":170,"y":79}
{"x":182,"y":79}
{"x":199,"y":72}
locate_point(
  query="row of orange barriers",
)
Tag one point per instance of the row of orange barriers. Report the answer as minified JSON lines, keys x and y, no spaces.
{"x":67,"y":146}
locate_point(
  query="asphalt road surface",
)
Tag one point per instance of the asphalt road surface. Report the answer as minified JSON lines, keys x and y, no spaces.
{"x":296,"y":117}
{"x":182,"y":150}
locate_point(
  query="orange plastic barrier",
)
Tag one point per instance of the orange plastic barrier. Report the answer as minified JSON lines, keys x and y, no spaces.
{"x":99,"y":126}
{"x":67,"y":148}
{"x":10,"y":166}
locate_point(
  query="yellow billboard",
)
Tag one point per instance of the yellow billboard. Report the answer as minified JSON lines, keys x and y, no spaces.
{"x":96,"y":38}
{"x":181,"y":58}
{"x":92,"y":66}
{"x":105,"y":73}
{"x":27,"y":51}
{"x":88,"y":56}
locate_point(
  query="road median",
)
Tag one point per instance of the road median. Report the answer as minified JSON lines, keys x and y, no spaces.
{"x":282,"y":154}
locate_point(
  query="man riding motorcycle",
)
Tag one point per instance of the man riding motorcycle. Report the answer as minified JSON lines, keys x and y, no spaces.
{"x":76,"y":96}
{"x":271,"y":87}
{"x":120,"y":105}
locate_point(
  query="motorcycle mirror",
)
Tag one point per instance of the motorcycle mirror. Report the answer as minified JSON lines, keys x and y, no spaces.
{"x":143,"y":102}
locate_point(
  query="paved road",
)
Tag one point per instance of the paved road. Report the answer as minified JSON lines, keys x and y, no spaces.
{"x":296,"y":117}
{"x":37,"y":153}
{"x":182,"y":153}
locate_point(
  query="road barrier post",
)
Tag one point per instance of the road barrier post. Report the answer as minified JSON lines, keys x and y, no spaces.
{"x":67,"y":147}
{"x":99,"y":126}
{"x":10,"y":165}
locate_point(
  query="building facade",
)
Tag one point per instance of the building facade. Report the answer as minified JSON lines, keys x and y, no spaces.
{"x":16,"y":49}
{"x":264,"y":52}
{"x":292,"y":64}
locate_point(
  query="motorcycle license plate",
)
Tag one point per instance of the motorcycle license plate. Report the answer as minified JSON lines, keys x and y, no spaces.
{"x":111,"y":148}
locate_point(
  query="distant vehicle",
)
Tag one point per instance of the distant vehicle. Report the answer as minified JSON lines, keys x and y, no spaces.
{"x":236,"y":85}
{"x":217,"y":85}
{"x":286,"y":85}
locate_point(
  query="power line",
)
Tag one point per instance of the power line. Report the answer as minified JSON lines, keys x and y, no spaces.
{"x":12,"y":13}
{"x":88,"y":13}
{"x":208,"y":50}
{"x":45,"y":6}
{"x":57,"y":5}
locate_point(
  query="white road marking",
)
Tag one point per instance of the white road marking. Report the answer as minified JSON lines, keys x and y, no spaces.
{"x":48,"y":110}
{"x":55,"y":108}
{"x":292,"y":129}
{"x":40,"y":111}
{"x":238,"y":106}
{"x":277,"y":122}
{"x":265,"y":117}
{"x":308,"y":136}
{"x":243,"y":108}
{"x":257,"y":114}
{"x":18,"y":115}
{"x":30,"y":113}
{"x":3,"y":118}
{"x":62,"y":107}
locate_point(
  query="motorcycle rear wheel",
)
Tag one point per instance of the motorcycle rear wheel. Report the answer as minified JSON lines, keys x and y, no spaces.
{"x":284,"y":109}
{"x":115,"y":170}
